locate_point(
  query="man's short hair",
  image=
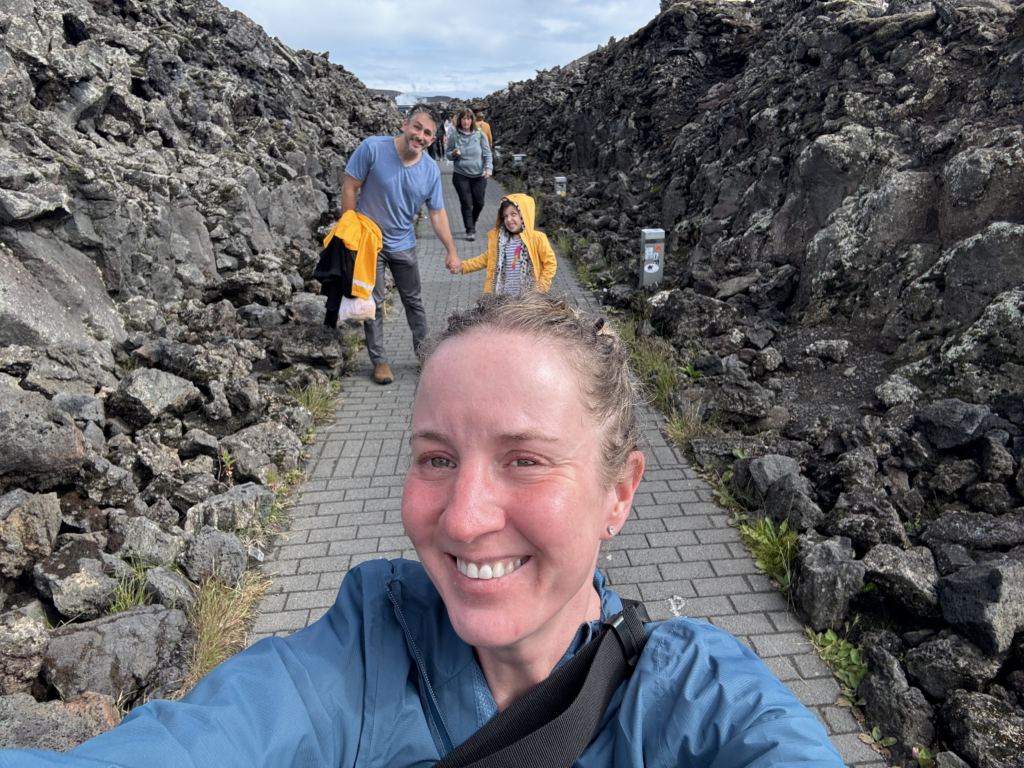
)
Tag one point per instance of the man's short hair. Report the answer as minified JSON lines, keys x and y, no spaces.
{"x":422,"y":109}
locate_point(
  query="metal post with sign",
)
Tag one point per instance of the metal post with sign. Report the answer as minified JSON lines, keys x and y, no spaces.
{"x":560,"y":185}
{"x":518,"y":158}
{"x":652,"y":258}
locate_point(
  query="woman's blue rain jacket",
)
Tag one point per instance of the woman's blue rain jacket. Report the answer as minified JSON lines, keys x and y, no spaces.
{"x":383,"y":680}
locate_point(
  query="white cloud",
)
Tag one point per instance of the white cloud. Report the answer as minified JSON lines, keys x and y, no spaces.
{"x":441,"y":47}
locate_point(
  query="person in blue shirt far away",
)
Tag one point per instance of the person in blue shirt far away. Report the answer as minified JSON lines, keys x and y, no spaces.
{"x":388,"y":180}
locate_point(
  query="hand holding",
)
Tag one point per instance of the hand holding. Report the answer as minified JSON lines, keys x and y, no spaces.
{"x":453,"y":263}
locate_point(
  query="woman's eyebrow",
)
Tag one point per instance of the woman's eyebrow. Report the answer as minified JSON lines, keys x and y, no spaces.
{"x":529,"y":435}
{"x":508,"y":437}
{"x":428,"y":434}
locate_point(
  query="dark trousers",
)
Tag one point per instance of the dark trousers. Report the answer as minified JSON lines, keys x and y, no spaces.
{"x":471,"y":197}
{"x":406,"y":271}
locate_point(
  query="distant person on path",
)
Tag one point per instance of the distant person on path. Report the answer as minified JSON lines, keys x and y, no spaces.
{"x":518,"y":257}
{"x":473,"y":164}
{"x":393,"y":180}
{"x":483,"y":126}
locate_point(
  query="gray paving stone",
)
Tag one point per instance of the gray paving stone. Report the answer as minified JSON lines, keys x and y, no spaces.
{"x":665,"y":590}
{"x":312,"y":522}
{"x":378,"y":530}
{"x":321,"y":564}
{"x":705,"y":552}
{"x":706,"y":607}
{"x":354,"y":546}
{"x":855,"y":752}
{"x":787,"y":644}
{"x":636,"y":525}
{"x":672,"y":539}
{"x":841,"y":720}
{"x":718,"y":535}
{"x":628,"y":541}
{"x":677,"y":571}
{"x":285,"y":620}
{"x":633,"y":574}
{"x":819,"y":691}
{"x":653,"y":556}
{"x":811,"y":666}
{"x":692,"y":522}
{"x":676,"y":551}
{"x":733,"y":567}
{"x":361,"y":518}
{"x":782,"y":667}
{"x":721,"y":585}
{"x":392,"y":543}
{"x":756,"y":602}
{"x":286,"y":584}
{"x":337,"y":533}
{"x":320,"y":599}
{"x":744,"y":624}
{"x":786,"y":622}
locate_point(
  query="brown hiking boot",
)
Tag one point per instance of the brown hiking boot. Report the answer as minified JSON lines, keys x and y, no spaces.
{"x":382,"y":373}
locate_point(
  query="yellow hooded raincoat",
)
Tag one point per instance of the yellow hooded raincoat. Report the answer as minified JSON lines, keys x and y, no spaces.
{"x":537,"y":245}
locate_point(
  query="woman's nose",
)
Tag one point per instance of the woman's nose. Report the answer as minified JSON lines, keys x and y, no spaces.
{"x":474,"y":506}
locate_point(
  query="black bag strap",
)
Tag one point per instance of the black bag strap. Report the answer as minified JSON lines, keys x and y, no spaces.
{"x":554,"y":722}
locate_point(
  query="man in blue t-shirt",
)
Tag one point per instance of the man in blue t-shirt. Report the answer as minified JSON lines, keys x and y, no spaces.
{"x":393,"y":180}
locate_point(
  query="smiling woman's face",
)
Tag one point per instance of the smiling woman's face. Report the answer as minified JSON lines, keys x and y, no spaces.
{"x":506,"y":476}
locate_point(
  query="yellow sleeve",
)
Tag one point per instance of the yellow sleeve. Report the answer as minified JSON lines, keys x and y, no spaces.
{"x":474,"y":264}
{"x":548,"y":264}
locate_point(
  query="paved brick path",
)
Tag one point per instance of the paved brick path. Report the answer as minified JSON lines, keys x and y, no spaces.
{"x":675,"y":552}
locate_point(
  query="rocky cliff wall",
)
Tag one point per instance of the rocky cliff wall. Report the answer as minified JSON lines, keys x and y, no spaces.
{"x":164,"y":168}
{"x":840,"y":183}
{"x":149,"y":148}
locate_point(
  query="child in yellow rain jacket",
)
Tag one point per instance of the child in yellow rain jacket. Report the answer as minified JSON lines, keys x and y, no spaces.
{"x":518,"y":257}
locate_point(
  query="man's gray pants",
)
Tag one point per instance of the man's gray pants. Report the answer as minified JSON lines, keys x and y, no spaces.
{"x":406,"y":271}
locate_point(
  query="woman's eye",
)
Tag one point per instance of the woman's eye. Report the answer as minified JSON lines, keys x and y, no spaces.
{"x":439,"y":462}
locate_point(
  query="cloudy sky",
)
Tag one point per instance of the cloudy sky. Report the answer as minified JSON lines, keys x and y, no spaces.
{"x":456,"y":48}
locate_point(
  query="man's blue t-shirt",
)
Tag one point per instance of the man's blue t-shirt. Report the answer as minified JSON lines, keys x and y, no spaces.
{"x":391,"y":193}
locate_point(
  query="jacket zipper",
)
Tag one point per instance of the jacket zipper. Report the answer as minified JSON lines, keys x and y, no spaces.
{"x":435,"y":708}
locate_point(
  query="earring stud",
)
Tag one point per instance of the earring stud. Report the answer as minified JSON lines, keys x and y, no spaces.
{"x":611,"y":529}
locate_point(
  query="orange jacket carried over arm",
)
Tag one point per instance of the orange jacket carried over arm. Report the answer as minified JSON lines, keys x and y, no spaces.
{"x":541,"y":254}
{"x":360,"y":234}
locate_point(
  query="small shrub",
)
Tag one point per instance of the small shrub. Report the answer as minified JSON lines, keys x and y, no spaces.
{"x":227,"y":467}
{"x":319,"y":399}
{"x":130,"y":591}
{"x":263,"y":531}
{"x":691,"y":372}
{"x":563,"y":244}
{"x":720,"y":491}
{"x":923,"y":755}
{"x":875,"y":738}
{"x":653,"y":359}
{"x":516,"y":185}
{"x":222,"y":615}
{"x":584,"y":276}
{"x":841,"y":656}
{"x":691,"y":424}
{"x":774,"y":549}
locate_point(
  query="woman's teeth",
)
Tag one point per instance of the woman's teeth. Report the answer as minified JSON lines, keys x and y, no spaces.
{"x":488,"y":570}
